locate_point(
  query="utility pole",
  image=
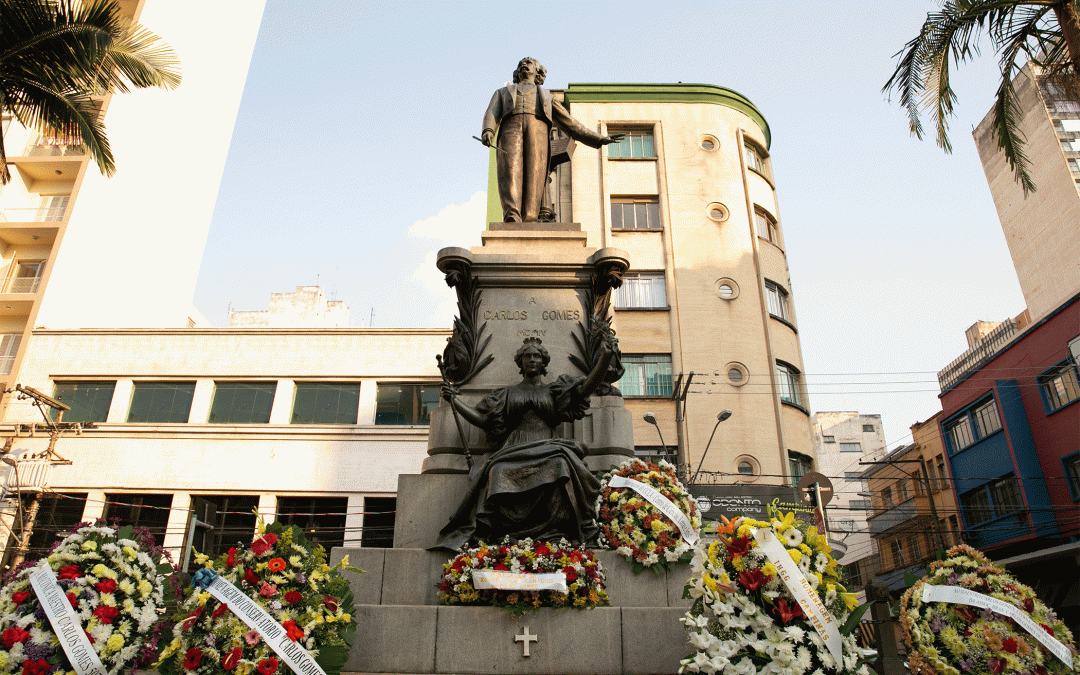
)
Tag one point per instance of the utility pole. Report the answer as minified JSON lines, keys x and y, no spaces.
{"x":678,"y":394}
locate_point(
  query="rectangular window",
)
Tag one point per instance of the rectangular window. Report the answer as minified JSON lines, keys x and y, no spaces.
{"x":218,"y":522}
{"x":976,"y":506}
{"x":859,"y":505}
{"x":1005,"y":495}
{"x":1071,"y":464}
{"x":646,"y":375}
{"x":993,"y":500}
{"x":897,"y":552}
{"x":161,"y":402}
{"x":89,"y":401}
{"x":959,"y":433}
{"x":787,"y":380}
{"x":140,"y":510}
{"x":635,"y":143}
{"x":242,"y":402}
{"x":378,"y":522}
{"x":930,"y":475}
{"x":641,"y":290}
{"x":766,"y":226}
{"x":56,"y":515}
{"x":886,"y":496}
{"x":25,"y":276}
{"x":800,"y":465}
{"x":321,"y":518}
{"x":755,"y":158}
{"x":986,"y":419}
{"x":1060,"y":386}
{"x":942,"y":476}
{"x":902,"y":490}
{"x":405,"y":403}
{"x":9,"y":346}
{"x":851,"y":447}
{"x":326,"y":403}
{"x":868,"y":428}
{"x":635,"y":214}
{"x":916,"y":550}
{"x":1074,"y":165}
{"x":777,"y":299}
{"x":654,"y":453}
{"x":828,"y":439}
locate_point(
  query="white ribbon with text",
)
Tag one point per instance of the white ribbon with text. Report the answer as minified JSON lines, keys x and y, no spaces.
{"x":666,"y":506}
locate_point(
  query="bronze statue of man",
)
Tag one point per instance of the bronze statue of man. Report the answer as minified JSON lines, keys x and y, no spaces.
{"x":523,"y":113}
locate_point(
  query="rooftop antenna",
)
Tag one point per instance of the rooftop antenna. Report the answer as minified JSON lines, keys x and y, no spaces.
{"x":371,"y":322}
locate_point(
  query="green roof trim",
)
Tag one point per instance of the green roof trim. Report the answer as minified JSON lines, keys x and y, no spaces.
{"x":667,"y":93}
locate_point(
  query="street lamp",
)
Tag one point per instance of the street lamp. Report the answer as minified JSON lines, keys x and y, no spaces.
{"x":724,"y":414}
{"x":651,"y":419}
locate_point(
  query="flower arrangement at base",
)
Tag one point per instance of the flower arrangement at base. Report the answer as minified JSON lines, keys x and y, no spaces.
{"x":584,"y":576}
{"x":634,"y":527}
{"x":114,"y":578}
{"x":744,"y":620}
{"x":953,"y":638}
{"x":291,"y":581}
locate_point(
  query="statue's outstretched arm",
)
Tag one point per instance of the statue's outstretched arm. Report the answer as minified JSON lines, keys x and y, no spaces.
{"x":474,"y":416}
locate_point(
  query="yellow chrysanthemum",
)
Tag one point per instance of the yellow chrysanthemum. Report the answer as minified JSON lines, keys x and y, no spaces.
{"x":795,"y":554}
{"x":115,"y":642}
{"x":768,"y":569}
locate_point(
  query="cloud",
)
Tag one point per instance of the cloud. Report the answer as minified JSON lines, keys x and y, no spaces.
{"x":456,"y":224}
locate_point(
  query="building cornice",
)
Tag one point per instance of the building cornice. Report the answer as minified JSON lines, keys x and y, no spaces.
{"x":375,"y":332}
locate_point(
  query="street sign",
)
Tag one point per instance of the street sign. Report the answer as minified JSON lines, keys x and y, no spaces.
{"x":825,"y":488}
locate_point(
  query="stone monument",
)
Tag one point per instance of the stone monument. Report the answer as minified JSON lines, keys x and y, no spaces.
{"x":529,"y":284}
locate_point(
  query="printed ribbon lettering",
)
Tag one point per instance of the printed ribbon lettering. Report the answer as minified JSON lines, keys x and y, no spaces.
{"x":65,"y":623}
{"x":666,"y":506}
{"x":272,"y":632}
{"x":516,"y":581}
{"x":796,"y":582}
{"x":965,"y":596}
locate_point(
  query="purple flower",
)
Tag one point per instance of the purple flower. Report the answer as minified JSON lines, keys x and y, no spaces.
{"x":39,"y":613}
{"x":275,"y":605}
{"x":210,"y":640}
{"x":35,"y":651}
{"x":953,"y":579}
{"x":936,"y":624}
{"x":300,"y":578}
{"x":966,"y":664}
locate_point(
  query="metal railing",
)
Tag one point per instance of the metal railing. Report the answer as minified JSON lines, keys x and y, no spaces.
{"x":22,"y":285}
{"x":33,"y":214}
{"x":982,"y":352}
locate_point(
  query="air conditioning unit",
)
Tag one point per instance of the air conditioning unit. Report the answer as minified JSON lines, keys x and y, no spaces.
{"x":27,"y":474}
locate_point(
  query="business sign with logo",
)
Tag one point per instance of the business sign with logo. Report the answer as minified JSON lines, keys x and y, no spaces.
{"x":752,"y":501}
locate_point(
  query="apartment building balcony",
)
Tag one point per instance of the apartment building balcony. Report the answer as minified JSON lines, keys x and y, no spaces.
{"x":982,"y":352}
{"x":902,"y":516}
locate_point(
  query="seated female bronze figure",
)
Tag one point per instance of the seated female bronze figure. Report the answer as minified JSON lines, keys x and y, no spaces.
{"x":532,"y":485}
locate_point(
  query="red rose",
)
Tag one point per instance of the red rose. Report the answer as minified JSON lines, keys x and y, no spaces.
{"x":752,"y":580}
{"x":106,"y":614}
{"x":1048,"y":629}
{"x":69,"y":572}
{"x":292,"y":631}
{"x":571,"y":574}
{"x":13,"y":635}
{"x":268,"y":666}
{"x":1009,"y":645}
{"x":1029,"y":605}
{"x":261,"y":546}
{"x":738,"y":545}
{"x":38,"y":667}
{"x":331,"y":603}
{"x":997,"y":666}
{"x":231,"y":560}
{"x":72,"y":600}
{"x":105,"y":586}
{"x":231,"y":658}
{"x":221,"y":609}
{"x":20,"y":597}
{"x":250,"y":578}
{"x":293,"y":597}
{"x":192,"y":658}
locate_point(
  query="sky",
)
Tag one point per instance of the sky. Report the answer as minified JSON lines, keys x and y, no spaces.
{"x":351,"y":164}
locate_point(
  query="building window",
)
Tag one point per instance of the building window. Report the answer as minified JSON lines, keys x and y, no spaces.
{"x":851,"y":447}
{"x":1074,"y":165}
{"x":868,"y":428}
{"x":787,"y":379}
{"x":218,"y":522}
{"x":897,"y":553}
{"x":886,"y":497}
{"x":326,"y":403}
{"x":1059,"y":386}
{"x":9,"y":346}
{"x":654,"y":453}
{"x":242,"y":402}
{"x":755,"y":158}
{"x":635,"y":143}
{"x":859,"y":505}
{"x":766,"y":226}
{"x":901,"y":489}
{"x":378,"y":528}
{"x":828,"y":439}
{"x":140,"y":510}
{"x":635,"y":214}
{"x":800,"y":465}
{"x":993,"y":500}
{"x":25,"y":276}
{"x":89,"y":401}
{"x":161,"y":402}
{"x":57,"y":514}
{"x":641,"y":290}
{"x":959,"y":433}
{"x":405,"y":403}
{"x":646,"y":375}
{"x":1071,"y":465}
{"x":853,"y":475}
{"x":916,"y":550}
{"x":777,"y":299}
{"x":321,"y":518}
{"x":986,"y":419}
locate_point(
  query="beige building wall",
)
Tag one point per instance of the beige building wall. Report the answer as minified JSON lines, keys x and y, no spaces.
{"x":707,"y":196}
{"x":1045,"y":253}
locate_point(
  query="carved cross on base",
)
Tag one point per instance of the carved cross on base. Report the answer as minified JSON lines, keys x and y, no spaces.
{"x":525,"y":639}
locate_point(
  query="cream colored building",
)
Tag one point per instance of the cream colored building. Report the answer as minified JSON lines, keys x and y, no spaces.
{"x":1045,"y":253}
{"x":690,"y":195}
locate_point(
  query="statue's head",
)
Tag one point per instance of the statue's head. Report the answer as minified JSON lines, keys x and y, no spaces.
{"x":533,"y":344}
{"x":529,"y":70}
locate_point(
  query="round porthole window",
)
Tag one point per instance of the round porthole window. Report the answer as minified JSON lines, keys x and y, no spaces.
{"x":747,"y":468}
{"x":737,"y":374}
{"x":709,"y":142}
{"x":717,"y":212}
{"x":727,"y":288}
